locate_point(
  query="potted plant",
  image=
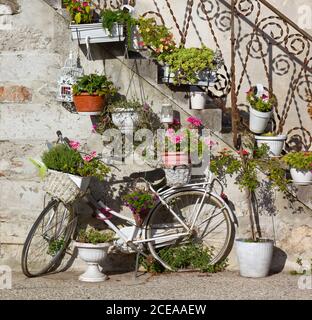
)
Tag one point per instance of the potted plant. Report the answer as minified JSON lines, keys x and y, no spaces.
{"x":92,"y":247}
{"x":261,"y":108}
{"x":140,"y":202}
{"x":86,"y":25}
{"x":125,"y":114}
{"x":300,"y":166}
{"x":191,"y":65}
{"x":274,"y":141}
{"x":90,"y":92}
{"x":254,"y":253}
{"x":68,"y":174}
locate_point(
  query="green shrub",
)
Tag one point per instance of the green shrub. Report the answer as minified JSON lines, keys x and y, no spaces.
{"x":299,"y":160}
{"x":94,"y":236}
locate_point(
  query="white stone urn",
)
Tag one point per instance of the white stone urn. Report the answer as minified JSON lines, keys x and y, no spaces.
{"x":254,"y":258}
{"x":125,"y":119}
{"x":92,"y":254}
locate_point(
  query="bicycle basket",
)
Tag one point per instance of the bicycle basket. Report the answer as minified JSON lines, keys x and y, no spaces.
{"x":61,"y":186}
{"x":178,"y":175}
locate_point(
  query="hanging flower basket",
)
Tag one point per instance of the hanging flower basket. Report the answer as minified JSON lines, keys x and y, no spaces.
{"x":89,"y":104}
{"x":178,"y":175}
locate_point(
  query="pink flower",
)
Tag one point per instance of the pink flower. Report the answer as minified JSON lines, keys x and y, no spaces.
{"x":177,"y":139}
{"x":94,"y":127}
{"x":176,"y":122}
{"x":85,"y":4}
{"x":90,"y":157}
{"x":170,"y":132}
{"x":93,"y":154}
{"x":265,"y":98}
{"x":74,"y":144}
{"x":209,"y":142}
{"x":194,"y":121}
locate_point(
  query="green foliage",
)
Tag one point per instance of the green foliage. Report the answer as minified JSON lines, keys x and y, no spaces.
{"x":269,"y":134}
{"x":94,"y":236}
{"x":140,"y":201}
{"x":187,"y":63}
{"x":261,"y":104}
{"x":94,"y":84}
{"x":299,"y":160}
{"x":55,"y":246}
{"x":42,"y":169}
{"x":64,"y":159}
{"x":189,"y":256}
{"x":80,"y":12}
{"x":302,"y":270}
{"x":158,"y":38}
{"x":61,"y":158}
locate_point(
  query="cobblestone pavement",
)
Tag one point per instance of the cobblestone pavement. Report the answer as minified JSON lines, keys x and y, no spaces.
{"x":226,"y":285}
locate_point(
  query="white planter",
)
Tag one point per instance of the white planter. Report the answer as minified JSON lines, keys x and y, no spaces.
{"x":81,"y":182}
{"x":198,"y":99}
{"x":136,"y":39}
{"x":125,"y":119}
{"x":258,"y":121}
{"x":95,"y":33}
{"x":92,"y":254}
{"x":167,"y":74}
{"x":302,"y":177}
{"x":276,"y":144}
{"x":254,"y":258}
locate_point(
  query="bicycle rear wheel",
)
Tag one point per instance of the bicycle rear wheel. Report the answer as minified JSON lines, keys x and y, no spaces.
{"x":48,"y":239}
{"x":213,"y":229}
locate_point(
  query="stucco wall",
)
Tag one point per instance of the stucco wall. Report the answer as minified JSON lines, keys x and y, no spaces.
{"x":33,"y":48}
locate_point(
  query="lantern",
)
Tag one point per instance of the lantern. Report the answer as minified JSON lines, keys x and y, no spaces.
{"x":166,"y":113}
{"x":68,"y":77}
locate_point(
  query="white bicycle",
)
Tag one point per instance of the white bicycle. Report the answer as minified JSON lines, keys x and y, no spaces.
{"x":192,"y":213}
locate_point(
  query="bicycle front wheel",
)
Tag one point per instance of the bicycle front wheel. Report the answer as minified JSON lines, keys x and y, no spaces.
{"x":213,"y":229}
{"x":48,"y":239}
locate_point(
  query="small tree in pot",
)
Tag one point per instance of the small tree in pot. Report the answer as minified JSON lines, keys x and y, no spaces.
{"x":90,"y":93}
{"x":254,"y":253}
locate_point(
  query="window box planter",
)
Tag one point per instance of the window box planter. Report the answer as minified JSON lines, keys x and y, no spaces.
{"x":206,"y":78}
{"x":275,"y":143}
{"x":94,"y":33}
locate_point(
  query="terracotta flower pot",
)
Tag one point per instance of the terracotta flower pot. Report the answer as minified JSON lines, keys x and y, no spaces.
{"x":89,"y":104}
{"x":171,"y":159}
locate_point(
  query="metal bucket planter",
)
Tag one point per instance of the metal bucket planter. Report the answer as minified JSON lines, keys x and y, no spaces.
{"x":198,"y":99}
{"x":254,"y":258}
{"x":275,"y":143}
{"x":95,"y":33}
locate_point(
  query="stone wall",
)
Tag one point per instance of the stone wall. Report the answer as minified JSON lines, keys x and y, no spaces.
{"x":33,"y":47}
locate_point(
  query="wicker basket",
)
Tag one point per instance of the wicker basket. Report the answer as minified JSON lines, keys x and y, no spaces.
{"x":178,"y":175}
{"x":61,"y":186}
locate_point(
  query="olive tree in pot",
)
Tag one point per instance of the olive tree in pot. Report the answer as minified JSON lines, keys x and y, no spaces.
{"x":254,"y":253}
{"x":92,"y":247}
{"x":90,"y":93}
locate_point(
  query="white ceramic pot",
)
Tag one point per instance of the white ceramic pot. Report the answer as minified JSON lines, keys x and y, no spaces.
{"x":95,"y":32}
{"x":276,"y":144}
{"x":302,"y":177}
{"x":92,"y":254}
{"x":258,"y":121}
{"x":125,"y":119}
{"x":254,"y":258}
{"x":198,"y":99}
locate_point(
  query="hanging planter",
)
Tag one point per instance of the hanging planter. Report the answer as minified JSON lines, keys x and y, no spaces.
{"x":274,"y":142}
{"x":90,"y":94}
{"x":125,"y":119}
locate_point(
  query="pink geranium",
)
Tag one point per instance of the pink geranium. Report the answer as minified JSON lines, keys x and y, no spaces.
{"x":177,"y":139}
{"x":90,"y":157}
{"x":170,"y":132}
{"x":209,"y":142}
{"x":74,"y":144}
{"x":194,"y":121}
